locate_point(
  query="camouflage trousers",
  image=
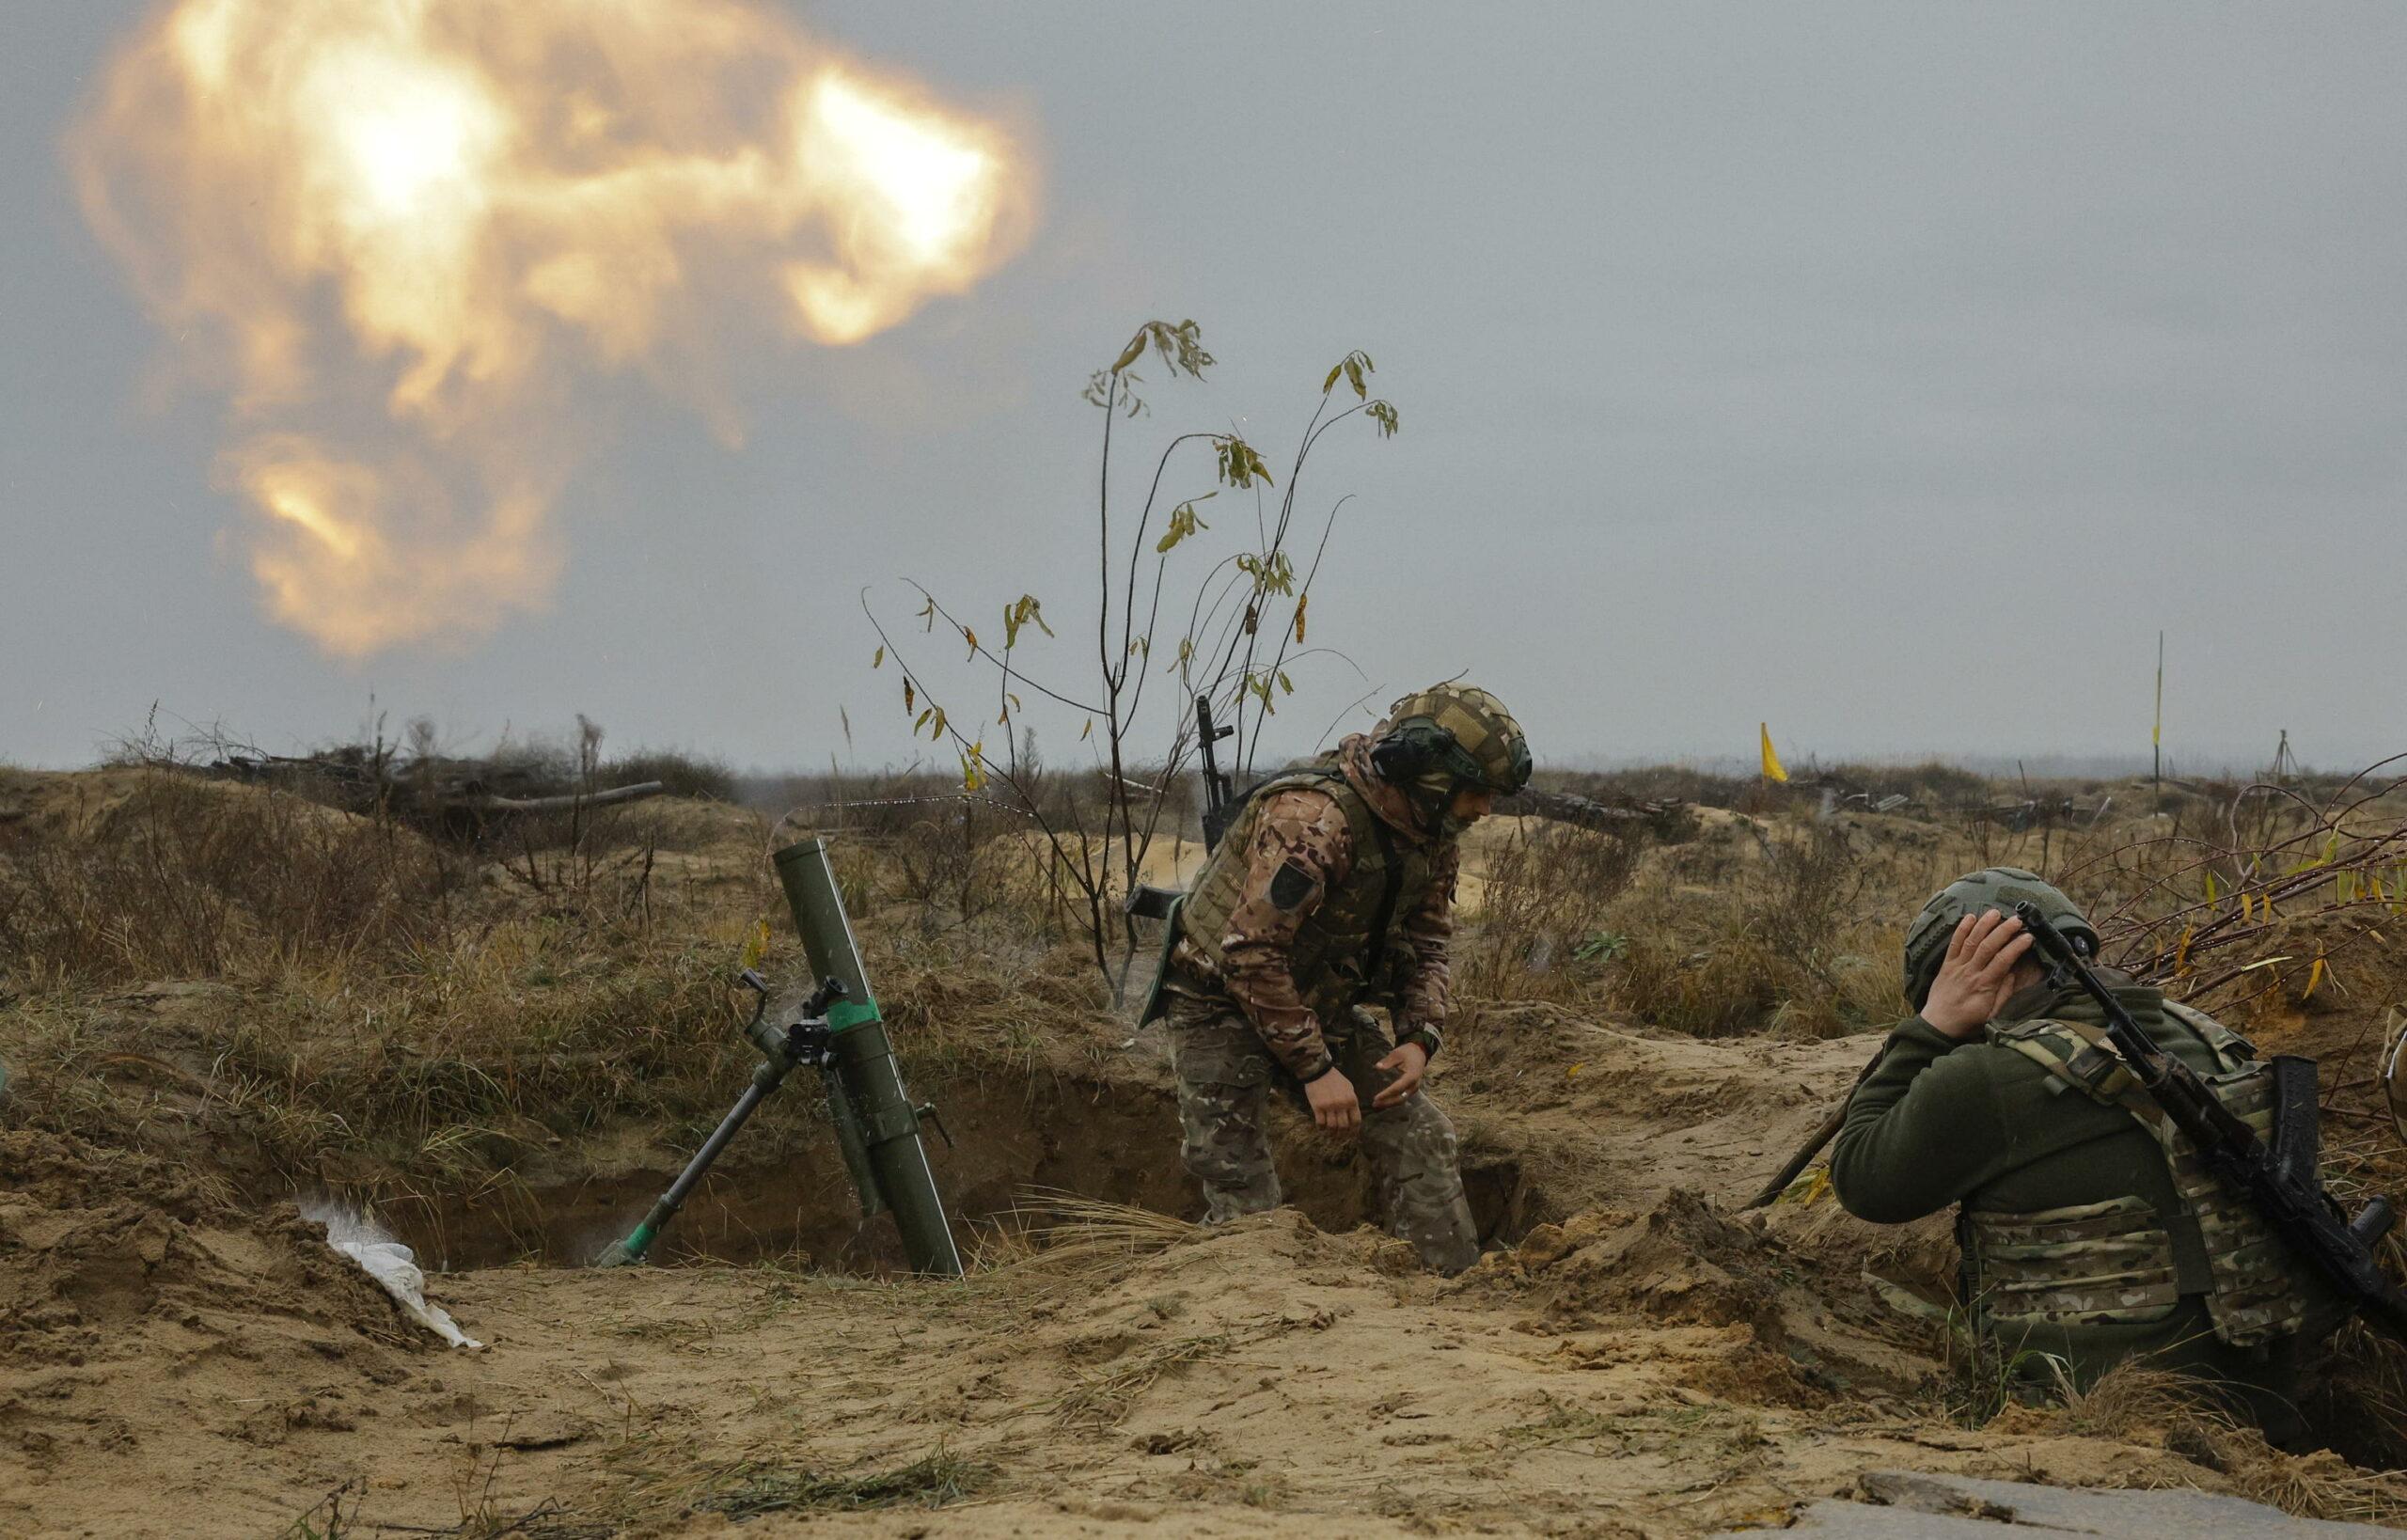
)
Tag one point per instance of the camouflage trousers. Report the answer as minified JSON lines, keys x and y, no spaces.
{"x":1224,"y":1073}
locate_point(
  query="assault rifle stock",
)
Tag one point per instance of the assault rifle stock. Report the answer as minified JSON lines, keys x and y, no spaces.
{"x":2282,"y":1181}
{"x":1219,"y":805}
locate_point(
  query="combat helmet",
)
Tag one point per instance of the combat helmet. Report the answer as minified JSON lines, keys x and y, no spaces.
{"x":1455,"y":731}
{"x":1999,"y":888}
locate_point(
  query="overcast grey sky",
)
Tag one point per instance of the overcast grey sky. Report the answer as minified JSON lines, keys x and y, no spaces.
{"x":1891,"y":373}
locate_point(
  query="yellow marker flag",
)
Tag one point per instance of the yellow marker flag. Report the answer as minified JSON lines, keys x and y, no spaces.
{"x":1771,"y":759}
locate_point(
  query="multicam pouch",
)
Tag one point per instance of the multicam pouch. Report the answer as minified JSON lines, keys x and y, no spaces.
{"x":2086,"y":1264}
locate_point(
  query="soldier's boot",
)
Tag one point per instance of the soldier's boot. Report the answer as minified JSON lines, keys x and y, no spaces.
{"x":1417,"y":1162}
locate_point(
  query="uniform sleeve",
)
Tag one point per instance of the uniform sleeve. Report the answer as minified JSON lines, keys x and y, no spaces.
{"x":1924,"y":1129}
{"x":1301,"y":847}
{"x":1428,"y":990}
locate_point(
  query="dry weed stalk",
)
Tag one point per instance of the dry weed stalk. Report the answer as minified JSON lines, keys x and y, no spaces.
{"x":2202,"y":906}
{"x":2138,"y":1402}
{"x":1542,"y":932}
{"x":1082,"y":1244}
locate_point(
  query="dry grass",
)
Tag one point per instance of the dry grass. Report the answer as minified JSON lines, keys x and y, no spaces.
{"x":2139,"y":1403}
{"x":348,"y":1002}
{"x":1099,"y":1400}
{"x":1789,"y":926}
{"x":2134,"y":1397}
{"x":653,"y":1477}
{"x":177,"y":877}
{"x":932,"y":1481}
{"x":1062,"y":1242}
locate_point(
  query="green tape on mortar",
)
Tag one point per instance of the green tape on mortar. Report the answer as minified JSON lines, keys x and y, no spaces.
{"x":887,"y":1156}
{"x":846,"y":1014}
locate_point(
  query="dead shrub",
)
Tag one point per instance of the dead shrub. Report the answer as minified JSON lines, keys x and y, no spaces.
{"x":189,"y":879}
{"x":1719,"y":990}
{"x":936,"y":858}
{"x":1793,"y":928}
{"x":1809,"y":899}
{"x":1543,"y":933}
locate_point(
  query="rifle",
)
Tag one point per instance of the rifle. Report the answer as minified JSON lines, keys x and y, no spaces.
{"x":878,"y":1128}
{"x":1218,"y":795}
{"x":2282,"y":1181}
{"x":1219,"y":805}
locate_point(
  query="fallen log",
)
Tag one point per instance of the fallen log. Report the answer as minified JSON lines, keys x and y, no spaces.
{"x":1664,"y":819}
{"x":566,"y":802}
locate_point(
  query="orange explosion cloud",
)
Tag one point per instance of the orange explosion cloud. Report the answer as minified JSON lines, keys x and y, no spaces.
{"x":399,"y":234}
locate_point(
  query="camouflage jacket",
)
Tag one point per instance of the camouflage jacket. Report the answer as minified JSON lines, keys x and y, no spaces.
{"x":1305,"y":829}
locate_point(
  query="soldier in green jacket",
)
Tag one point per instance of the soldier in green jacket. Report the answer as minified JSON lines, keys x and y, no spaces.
{"x":1332,"y":892}
{"x":2090,"y":1231}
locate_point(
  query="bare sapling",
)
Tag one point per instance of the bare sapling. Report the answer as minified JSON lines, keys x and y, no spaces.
{"x":1232,"y":632}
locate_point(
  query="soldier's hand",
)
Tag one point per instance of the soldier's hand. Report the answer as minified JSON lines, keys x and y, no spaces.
{"x":1977,"y":974}
{"x":1410,"y":1062}
{"x":1332,"y":1100}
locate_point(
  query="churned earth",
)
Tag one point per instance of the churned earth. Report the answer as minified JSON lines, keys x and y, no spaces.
{"x":183,"y":1354}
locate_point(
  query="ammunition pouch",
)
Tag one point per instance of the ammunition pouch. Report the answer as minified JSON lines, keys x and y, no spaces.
{"x":1151,"y":903}
{"x":2109,"y":1264}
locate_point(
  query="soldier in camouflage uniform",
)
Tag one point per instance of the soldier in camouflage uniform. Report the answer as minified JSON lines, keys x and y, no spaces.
{"x":2090,"y":1231}
{"x":1331,"y":891}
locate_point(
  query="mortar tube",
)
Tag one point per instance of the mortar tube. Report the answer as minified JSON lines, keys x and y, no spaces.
{"x":624,"y":1252}
{"x":863,"y":1063}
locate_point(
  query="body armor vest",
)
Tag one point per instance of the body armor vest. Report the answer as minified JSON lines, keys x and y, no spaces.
{"x":1347,"y":952}
{"x":2120,"y":1262}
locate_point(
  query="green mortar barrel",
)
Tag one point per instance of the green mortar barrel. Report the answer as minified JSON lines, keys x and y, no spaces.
{"x":876,"y":1124}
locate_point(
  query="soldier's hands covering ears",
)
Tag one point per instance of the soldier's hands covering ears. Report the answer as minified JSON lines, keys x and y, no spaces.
{"x":1977,"y":974}
{"x":1410,"y":1062}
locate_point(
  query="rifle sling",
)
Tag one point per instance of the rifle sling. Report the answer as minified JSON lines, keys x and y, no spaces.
{"x":2100,"y":1072}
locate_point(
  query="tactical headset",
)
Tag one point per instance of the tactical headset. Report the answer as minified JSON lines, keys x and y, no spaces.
{"x":1417,"y":747}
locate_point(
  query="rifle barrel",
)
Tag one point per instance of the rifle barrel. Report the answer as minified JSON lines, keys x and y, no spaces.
{"x":2294,"y":1202}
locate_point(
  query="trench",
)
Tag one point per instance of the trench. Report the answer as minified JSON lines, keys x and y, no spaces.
{"x":1014,"y":1137}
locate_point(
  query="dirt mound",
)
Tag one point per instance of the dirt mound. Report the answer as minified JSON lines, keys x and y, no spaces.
{"x":1680,"y":1263}
{"x":138,"y":1316}
{"x":1792,"y":1332}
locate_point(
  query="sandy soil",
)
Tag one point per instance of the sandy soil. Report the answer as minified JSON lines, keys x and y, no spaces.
{"x":1637,"y":1355}
{"x":1626,"y":1374}
{"x":1652,"y":1364}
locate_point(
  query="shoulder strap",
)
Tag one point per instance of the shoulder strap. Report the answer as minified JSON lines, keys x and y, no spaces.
{"x":2074,"y":1053}
{"x":1391,"y":884}
{"x":2230,"y":1049}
